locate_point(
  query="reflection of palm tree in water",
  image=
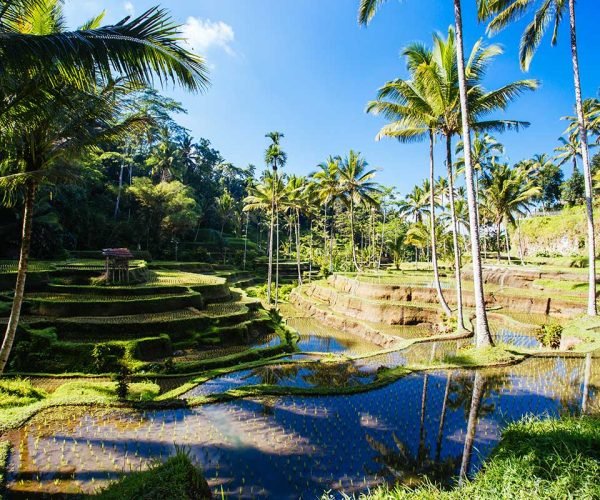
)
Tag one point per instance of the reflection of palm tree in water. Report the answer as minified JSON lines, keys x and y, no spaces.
{"x":273,"y":375}
{"x":334,"y":375}
{"x":478,"y":389}
{"x":397,"y":463}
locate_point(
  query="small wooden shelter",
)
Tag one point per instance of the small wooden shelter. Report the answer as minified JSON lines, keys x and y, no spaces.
{"x":117,"y":264}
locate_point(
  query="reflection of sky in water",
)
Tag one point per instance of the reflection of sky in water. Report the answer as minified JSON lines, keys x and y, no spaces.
{"x":293,"y":446}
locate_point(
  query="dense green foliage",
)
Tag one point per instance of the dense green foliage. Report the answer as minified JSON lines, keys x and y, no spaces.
{"x":177,"y":478}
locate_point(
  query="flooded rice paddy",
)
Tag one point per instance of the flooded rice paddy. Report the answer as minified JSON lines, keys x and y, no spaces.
{"x":292,"y":446}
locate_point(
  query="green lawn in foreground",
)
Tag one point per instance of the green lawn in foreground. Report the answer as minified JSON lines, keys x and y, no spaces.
{"x":541,"y":459}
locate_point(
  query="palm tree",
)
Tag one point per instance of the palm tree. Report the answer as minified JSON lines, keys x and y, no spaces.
{"x":276,"y":158}
{"x":414,"y":117}
{"x":356,"y":188}
{"x":328,"y":190}
{"x":546,"y":12}
{"x":415,"y":204}
{"x":483,"y":337}
{"x":293,"y":200}
{"x":33,"y":39}
{"x":33,"y":47}
{"x":508,"y":191}
{"x":437,"y":71}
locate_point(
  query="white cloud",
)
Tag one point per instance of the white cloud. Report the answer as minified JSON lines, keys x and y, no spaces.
{"x":202,"y":34}
{"x":129,"y":8}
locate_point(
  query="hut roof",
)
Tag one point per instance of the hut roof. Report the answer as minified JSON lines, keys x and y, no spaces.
{"x":118,"y":253}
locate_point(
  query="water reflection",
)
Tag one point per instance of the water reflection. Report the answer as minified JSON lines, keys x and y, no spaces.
{"x":317,"y":337}
{"x":422,"y":425}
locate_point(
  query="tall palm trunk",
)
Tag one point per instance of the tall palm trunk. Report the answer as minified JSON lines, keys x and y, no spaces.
{"x":271,"y":234}
{"x":331,"y":235}
{"x":325,"y":244}
{"x":482,"y":329}
{"x":276,"y":255}
{"x":585,"y":155}
{"x":498,"y":245}
{"x":118,"y":202}
{"x":15,"y":312}
{"x":354,"y":259}
{"x":460,"y":323}
{"x":382,"y":238}
{"x":507,"y":239}
{"x":434,"y":262}
{"x":298,"y":247}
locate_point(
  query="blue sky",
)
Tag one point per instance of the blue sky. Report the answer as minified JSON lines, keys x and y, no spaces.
{"x":305,"y":67}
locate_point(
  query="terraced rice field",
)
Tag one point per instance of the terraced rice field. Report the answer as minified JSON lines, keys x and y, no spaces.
{"x":289,"y":447}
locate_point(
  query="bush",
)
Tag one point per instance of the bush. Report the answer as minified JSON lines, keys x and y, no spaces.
{"x":175,"y":478}
{"x":579,"y":262}
{"x":123,"y":379}
{"x":550,"y":334}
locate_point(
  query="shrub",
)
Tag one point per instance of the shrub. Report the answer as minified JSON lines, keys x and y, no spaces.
{"x":123,"y":380}
{"x":175,"y":478}
{"x":580,"y":261}
{"x":550,"y":334}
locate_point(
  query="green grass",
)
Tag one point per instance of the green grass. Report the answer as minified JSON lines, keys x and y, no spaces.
{"x":541,"y":459}
{"x":483,"y":356}
{"x":176,"y":478}
{"x":18,"y":392}
{"x":5,"y":447}
{"x":586,"y":328}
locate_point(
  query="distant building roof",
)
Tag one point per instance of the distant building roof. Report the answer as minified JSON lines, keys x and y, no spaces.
{"x":119,"y":253}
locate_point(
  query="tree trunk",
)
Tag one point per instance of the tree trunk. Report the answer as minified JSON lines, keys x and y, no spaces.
{"x":310,"y":255}
{"x":498,"y":241}
{"x":271,"y":234}
{"x":246,"y":239}
{"x":15,"y":312}
{"x":382,"y":239}
{"x":331,"y":235}
{"x":482,"y":329}
{"x":325,"y":230}
{"x":434,"y":262}
{"x":585,"y":155}
{"x":520,"y":241}
{"x":276,"y":255}
{"x":460,"y":322}
{"x":118,"y":202}
{"x":507,"y":242}
{"x":478,"y":386}
{"x":354,"y":260}
{"x":298,"y":247}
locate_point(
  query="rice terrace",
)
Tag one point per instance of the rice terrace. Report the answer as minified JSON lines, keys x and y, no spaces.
{"x":263,"y":249}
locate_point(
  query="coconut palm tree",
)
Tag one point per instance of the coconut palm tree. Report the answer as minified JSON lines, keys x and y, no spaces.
{"x":502,"y":13}
{"x":410,"y":106}
{"x":437,"y":72}
{"x":293,"y":200}
{"x":415,"y":204}
{"x":508,"y":192}
{"x":356,"y":188}
{"x":367,"y":11}
{"x":276,"y":158}
{"x":43,"y":70}
{"x":328,"y":189}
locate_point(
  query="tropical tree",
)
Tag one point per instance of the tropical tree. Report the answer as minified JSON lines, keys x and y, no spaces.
{"x":414,"y":117}
{"x":276,"y":158}
{"x":293,"y":200}
{"x":356,"y":188}
{"x":415,"y":204}
{"x":508,"y":192}
{"x":328,"y":189}
{"x":40,"y":61}
{"x":437,"y":69}
{"x":502,"y":13}
{"x":367,"y":11}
